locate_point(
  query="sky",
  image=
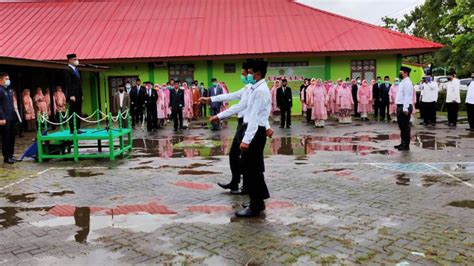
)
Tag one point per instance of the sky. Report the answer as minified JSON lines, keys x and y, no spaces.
{"x":371,"y":11}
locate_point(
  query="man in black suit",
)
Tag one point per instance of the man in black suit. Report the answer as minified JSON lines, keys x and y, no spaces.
{"x":7,"y":119}
{"x":285,"y":102}
{"x":149,"y":97}
{"x":376,"y":97}
{"x":135,"y":106}
{"x":215,"y":90}
{"x":384,"y":99}
{"x":355,"y":88}
{"x":176,"y":104}
{"x":203,"y":108}
{"x":138,"y":91}
{"x":73,"y":87}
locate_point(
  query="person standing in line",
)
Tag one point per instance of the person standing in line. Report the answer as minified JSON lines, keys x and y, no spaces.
{"x":320,"y":102}
{"x":453,"y":98}
{"x":285,"y":103}
{"x":392,"y":97}
{"x":354,"y":89}
{"x":188,"y":104}
{"x":176,"y":105}
{"x":149,"y":97}
{"x":404,"y":101}
{"x":215,"y":90}
{"x":29,"y":111}
{"x":470,"y":103}
{"x":254,"y":139}
{"x":376,"y":97}
{"x":344,"y":104}
{"x":40,"y":102}
{"x":429,"y":89}
{"x":332,"y":94}
{"x":364,"y":99}
{"x":161,"y":105}
{"x":304,"y":107}
{"x":196,"y":95}
{"x":203,"y":106}
{"x":73,"y":89}
{"x":59,"y":100}
{"x":384,"y":100}
{"x":7,"y":119}
{"x":275,"y":113}
{"x":121,"y":104}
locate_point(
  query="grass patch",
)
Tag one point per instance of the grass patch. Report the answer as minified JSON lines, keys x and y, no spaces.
{"x":365,"y":258}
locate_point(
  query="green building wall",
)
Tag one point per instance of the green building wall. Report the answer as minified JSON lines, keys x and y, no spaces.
{"x":320,"y":67}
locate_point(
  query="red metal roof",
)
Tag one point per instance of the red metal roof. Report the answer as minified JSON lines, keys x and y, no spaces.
{"x":160,"y":29}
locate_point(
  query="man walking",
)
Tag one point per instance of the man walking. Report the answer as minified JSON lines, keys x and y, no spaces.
{"x":404,"y":101}
{"x":73,"y":87}
{"x":285,"y":102}
{"x":254,"y":139}
{"x":7,"y":119}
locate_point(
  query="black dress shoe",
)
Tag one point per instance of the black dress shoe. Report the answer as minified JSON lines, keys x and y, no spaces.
{"x":228,"y":186}
{"x":404,"y":148}
{"x":9,"y":161}
{"x":288,"y":127}
{"x":398,"y":146}
{"x":247,"y":212}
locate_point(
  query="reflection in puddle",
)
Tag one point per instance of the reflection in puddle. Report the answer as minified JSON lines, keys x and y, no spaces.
{"x":431,"y":142}
{"x":30,"y":197}
{"x":463,"y":204}
{"x":11,"y":216}
{"x":402,"y":180}
{"x":81,"y":173}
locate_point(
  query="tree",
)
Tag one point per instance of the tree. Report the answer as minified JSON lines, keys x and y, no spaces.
{"x":449,"y":22}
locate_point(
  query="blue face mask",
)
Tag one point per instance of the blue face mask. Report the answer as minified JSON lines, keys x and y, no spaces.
{"x":8,"y":83}
{"x":396,"y":82}
{"x":428,"y":79}
{"x":244,"y":79}
{"x":250,"y":79}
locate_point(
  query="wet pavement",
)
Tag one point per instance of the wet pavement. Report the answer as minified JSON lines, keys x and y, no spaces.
{"x":340,"y":195}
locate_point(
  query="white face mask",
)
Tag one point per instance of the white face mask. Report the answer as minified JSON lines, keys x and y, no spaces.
{"x":128,"y":86}
{"x":7,"y":82}
{"x":76,"y":62}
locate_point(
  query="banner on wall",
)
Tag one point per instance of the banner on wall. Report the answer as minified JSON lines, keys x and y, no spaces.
{"x":294,"y":75}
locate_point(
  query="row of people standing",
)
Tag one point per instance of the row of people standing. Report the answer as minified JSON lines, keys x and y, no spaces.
{"x":157,"y":104}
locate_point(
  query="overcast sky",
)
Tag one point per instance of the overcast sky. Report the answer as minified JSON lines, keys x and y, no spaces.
{"x":370,"y":11}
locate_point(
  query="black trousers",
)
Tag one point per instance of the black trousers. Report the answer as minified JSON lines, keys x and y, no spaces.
{"x":215,"y":111}
{"x":285,"y":116}
{"x":470,"y":114}
{"x":453,"y":109}
{"x":383,"y":109}
{"x":422,"y":108}
{"x":203,"y":110}
{"x":309,"y":113}
{"x":254,"y":167}
{"x":404,"y":124}
{"x":356,"y":103}
{"x":234,"y":157}
{"x":177,"y":115}
{"x":75,"y":107}
{"x":136,"y":115}
{"x":8,"y":139}
{"x":151,"y":118}
{"x":429,"y":112}
{"x":376,"y":109}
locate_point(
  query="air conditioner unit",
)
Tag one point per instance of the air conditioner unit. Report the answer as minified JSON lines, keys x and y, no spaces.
{"x":160,"y":64}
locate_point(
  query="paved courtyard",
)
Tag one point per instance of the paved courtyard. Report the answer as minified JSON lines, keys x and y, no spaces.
{"x":340,"y":195}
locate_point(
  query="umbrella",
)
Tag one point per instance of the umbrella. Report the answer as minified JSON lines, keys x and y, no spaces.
{"x":32,"y":150}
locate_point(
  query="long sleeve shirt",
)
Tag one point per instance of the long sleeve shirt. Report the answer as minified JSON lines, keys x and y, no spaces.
{"x":430,"y":92}
{"x":259,"y":105}
{"x":453,"y":93}
{"x":470,"y":93}
{"x":239,"y":108}
{"x":405,"y":94}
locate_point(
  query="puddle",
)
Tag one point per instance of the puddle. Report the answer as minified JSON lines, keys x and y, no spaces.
{"x":431,"y":142}
{"x":402,"y":179}
{"x":430,"y":180}
{"x":197,"y":172}
{"x":332,"y":170}
{"x":30,"y":197}
{"x":462,"y":204}
{"x":11,"y":216}
{"x":81,"y":173}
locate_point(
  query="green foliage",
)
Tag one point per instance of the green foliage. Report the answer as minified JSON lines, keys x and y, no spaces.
{"x":449,"y":22}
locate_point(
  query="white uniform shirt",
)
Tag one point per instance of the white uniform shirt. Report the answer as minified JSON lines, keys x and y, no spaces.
{"x":430,"y":92}
{"x":470,"y":93}
{"x":121,"y":95}
{"x":405,"y":93}
{"x":453,"y":92}
{"x":239,"y":108}
{"x":259,"y":105}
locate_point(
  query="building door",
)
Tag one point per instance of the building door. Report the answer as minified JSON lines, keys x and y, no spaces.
{"x":114,"y":82}
{"x":182,"y":72}
{"x":365,"y":69}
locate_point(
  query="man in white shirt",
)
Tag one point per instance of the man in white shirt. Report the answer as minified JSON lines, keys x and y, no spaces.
{"x":404,"y":100}
{"x":429,"y":88}
{"x":453,"y":98}
{"x":470,"y":103}
{"x":234,"y":153}
{"x":256,"y":116}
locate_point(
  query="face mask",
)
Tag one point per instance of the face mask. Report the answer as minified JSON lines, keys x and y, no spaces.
{"x":450,"y":78}
{"x":379,"y":82}
{"x":128,"y":86}
{"x":358,"y":82}
{"x":400,"y":76}
{"x":250,"y":79}
{"x":244,"y":79}
{"x":8,"y":82}
{"x":387,"y":82}
{"x":76,"y":62}
{"x":396,"y":83}
{"x":428,"y":79}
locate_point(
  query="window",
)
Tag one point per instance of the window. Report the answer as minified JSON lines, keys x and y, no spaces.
{"x":288,"y":64}
{"x":182,"y":72}
{"x":229,"y":68}
{"x":114,"y":82}
{"x":365,"y":69}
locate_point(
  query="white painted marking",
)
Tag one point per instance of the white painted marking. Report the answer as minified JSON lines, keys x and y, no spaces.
{"x":450,"y":175}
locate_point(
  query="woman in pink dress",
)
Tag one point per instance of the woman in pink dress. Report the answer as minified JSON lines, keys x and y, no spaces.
{"x":275,"y":110}
{"x":188,"y":105}
{"x":332,"y":96}
{"x":320,"y":102}
{"x":29,"y":110}
{"x":364,"y":98}
{"x":392,"y":94}
{"x":372,"y":83}
{"x":161,"y":105}
{"x":40,"y":102}
{"x":166,"y":91}
{"x":309,"y":99}
{"x":303,"y":99}
{"x":47,"y":99}
{"x":344,"y":103}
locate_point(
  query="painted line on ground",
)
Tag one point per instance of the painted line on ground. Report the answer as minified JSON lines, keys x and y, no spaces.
{"x":451,"y":175}
{"x":24,"y":179}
